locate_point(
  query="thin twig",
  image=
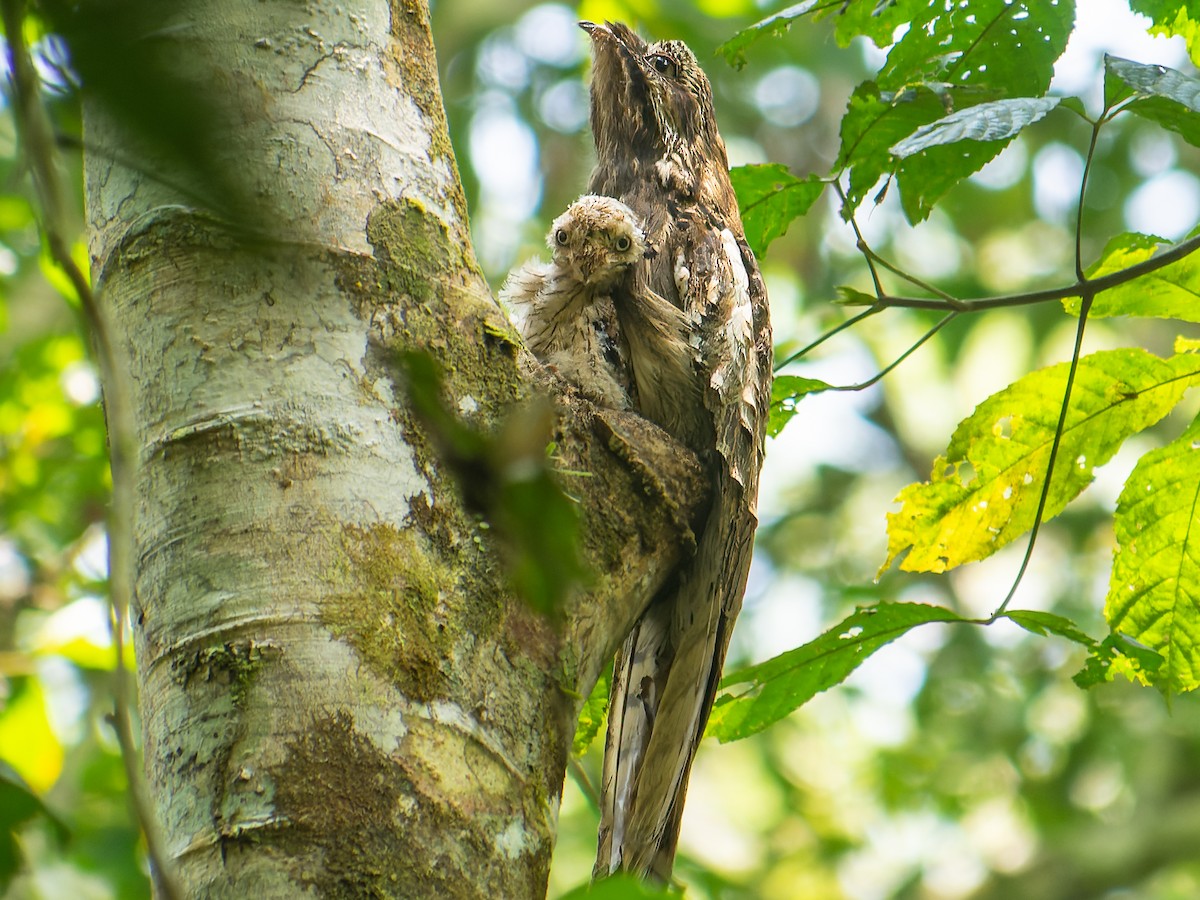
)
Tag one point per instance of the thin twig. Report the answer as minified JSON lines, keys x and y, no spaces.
{"x":861,"y":243}
{"x":911,"y":279}
{"x":39,"y":145}
{"x":1088,"y":295}
{"x":805,"y":350}
{"x":1085,"y":307}
{"x":942,"y":323}
{"x":585,"y":784}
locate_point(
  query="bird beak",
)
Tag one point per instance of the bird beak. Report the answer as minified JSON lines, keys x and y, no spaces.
{"x":598,"y":33}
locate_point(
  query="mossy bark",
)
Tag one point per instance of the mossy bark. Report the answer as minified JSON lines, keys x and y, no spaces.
{"x":340,"y":697}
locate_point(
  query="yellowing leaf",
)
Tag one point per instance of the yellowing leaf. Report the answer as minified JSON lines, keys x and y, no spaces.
{"x":26,"y":741}
{"x":984,"y":492}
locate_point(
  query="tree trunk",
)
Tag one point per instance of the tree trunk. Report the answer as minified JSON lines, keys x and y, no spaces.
{"x":339,"y":693}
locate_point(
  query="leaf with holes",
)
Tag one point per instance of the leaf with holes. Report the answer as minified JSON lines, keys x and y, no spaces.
{"x":1118,"y":655}
{"x":753,"y":698}
{"x":1153,"y":594}
{"x":1167,"y":293}
{"x":1007,"y":46}
{"x":995,"y":121}
{"x":867,"y":18}
{"x":984,"y":492}
{"x":734,"y":49}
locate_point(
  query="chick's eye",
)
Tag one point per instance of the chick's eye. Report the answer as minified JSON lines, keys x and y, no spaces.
{"x":622,"y":243}
{"x":664,"y":65}
{"x":561,"y":237}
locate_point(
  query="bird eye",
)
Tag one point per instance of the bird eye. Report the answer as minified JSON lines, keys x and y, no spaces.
{"x":664,"y":65}
{"x":623,"y":243}
{"x":561,"y":237}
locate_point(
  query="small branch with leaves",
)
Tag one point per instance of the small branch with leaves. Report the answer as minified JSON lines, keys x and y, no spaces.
{"x":1001,"y":476}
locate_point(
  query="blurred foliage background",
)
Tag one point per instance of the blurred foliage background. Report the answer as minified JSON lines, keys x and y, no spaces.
{"x":958,"y":762}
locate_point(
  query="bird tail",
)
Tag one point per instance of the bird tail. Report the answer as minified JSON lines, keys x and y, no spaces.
{"x":658,"y":714}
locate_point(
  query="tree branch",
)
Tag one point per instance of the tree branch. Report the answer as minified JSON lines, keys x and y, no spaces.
{"x":1078,"y":289}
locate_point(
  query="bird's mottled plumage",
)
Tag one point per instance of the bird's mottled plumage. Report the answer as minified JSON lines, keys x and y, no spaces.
{"x":564,"y":308}
{"x":659,"y":152}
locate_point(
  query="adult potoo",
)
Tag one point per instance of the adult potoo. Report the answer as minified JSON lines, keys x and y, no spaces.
{"x":564,"y":309}
{"x":660,"y":153}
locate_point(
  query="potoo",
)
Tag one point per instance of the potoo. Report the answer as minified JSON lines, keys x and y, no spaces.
{"x":659,"y":152}
{"x":564,"y":309}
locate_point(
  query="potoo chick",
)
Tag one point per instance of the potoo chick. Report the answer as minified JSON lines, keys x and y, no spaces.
{"x":660,"y":153}
{"x":564,"y":308}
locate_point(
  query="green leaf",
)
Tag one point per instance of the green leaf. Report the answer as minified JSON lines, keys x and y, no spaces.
{"x":1118,"y":655}
{"x":1172,"y":292}
{"x":1043,"y":623}
{"x":877,"y":121}
{"x":1115,"y":89}
{"x":998,"y":120}
{"x":970,"y":53}
{"x":618,"y":887}
{"x":786,"y":393}
{"x":1173,"y":17}
{"x":1166,"y":97}
{"x":1169,"y":115}
{"x":867,"y":18}
{"x":1149,"y":80}
{"x":770,"y":197}
{"x":592,"y":716}
{"x":848,"y":296}
{"x":1154,"y":591}
{"x":734,"y":49}
{"x":984,"y":492}
{"x":873,"y":123}
{"x":760,"y":695}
